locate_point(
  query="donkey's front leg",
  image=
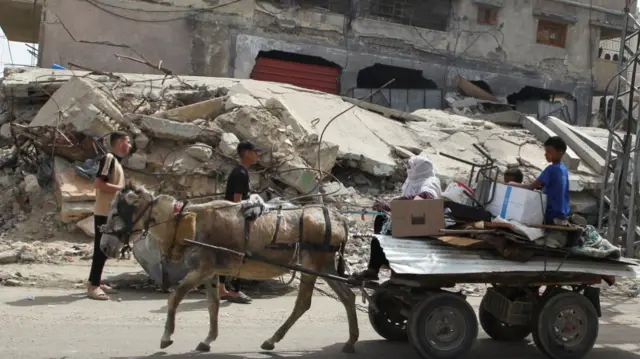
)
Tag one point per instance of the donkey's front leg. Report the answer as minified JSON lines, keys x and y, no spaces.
{"x":190,"y":281}
{"x":213,"y":298}
{"x":303,"y":303}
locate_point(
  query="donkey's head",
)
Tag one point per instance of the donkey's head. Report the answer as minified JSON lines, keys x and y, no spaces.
{"x":133,"y":211}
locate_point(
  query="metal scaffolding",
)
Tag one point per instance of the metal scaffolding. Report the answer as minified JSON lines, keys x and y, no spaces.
{"x":619,"y":192}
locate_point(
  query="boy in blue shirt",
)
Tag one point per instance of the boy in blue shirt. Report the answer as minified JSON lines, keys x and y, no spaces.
{"x":554,"y":181}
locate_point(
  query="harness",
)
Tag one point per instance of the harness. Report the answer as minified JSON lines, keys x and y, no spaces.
{"x":325,"y":246}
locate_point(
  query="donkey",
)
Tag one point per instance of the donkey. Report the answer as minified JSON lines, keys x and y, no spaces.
{"x":311,"y":234}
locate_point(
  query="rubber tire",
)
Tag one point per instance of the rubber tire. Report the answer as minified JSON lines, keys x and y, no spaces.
{"x":548,"y":311}
{"x":422,"y":311}
{"x":381,"y":324}
{"x":499,"y":331}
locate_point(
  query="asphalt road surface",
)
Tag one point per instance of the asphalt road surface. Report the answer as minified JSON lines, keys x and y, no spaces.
{"x":59,"y":324}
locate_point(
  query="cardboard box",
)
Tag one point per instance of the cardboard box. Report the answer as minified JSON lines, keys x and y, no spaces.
{"x":518,"y":204}
{"x":417,"y":218}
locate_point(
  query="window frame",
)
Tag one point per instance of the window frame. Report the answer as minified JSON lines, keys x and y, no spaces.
{"x":396,"y":12}
{"x":561,"y":28}
{"x":492,"y":12}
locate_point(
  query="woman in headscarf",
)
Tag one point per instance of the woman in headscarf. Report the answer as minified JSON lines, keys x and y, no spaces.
{"x":421,"y":182}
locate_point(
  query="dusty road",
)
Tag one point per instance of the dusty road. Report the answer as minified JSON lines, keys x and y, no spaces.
{"x":38,"y":323}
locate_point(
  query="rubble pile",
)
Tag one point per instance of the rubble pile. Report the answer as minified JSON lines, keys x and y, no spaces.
{"x":185,"y":130}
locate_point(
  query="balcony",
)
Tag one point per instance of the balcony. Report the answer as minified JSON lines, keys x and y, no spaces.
{"x":20,"y":20}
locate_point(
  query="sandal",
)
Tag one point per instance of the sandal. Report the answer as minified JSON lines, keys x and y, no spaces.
{"x":97,"y":294}
{"x":107,"y":289}
{"x":241,"y":298}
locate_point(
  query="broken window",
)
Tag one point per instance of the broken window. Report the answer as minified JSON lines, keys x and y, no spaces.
{"x":487,"y":15}
{"x":427,"y":14}
{"x":551,"y":33}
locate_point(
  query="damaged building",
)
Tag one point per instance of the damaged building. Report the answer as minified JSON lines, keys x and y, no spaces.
{"x":522,"y":51}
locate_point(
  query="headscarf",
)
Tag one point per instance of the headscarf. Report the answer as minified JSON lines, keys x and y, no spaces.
{"x":421,"y":177}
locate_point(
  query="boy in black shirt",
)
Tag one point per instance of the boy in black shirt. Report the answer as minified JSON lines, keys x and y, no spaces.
{"x":238,"y":190}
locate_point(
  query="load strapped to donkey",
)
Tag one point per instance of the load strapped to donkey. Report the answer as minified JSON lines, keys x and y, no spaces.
{"x":252,"y":240}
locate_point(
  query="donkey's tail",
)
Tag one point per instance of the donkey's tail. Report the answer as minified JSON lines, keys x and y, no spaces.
{"x":342,"y":266}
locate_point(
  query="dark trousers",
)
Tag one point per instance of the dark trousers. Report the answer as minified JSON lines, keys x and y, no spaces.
{"x":377,"y":258}
{"x":99,"y":258}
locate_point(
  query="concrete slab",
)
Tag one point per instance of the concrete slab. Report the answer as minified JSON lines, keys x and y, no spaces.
{"x":506,"y":118}
{"x":593,"y":143}
{"x":68,"y":185}
{"x":72,"y":212}
{"x":589,"y":156}
{"x":542,"y":133}
{"x":174,"y":130}
{"x":83,"y":105}
{"x":206,"y":110}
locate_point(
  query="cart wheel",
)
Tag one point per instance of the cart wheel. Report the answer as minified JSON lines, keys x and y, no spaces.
{"x":499,"y":330}
{"x":388,"y":322}
{"x":566,"y":326}
{"x":443,"y":326}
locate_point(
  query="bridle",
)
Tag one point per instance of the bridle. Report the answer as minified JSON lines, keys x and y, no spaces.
{"x":125,"y":234}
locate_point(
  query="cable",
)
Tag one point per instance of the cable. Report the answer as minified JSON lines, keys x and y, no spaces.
{"x":103,"y":6}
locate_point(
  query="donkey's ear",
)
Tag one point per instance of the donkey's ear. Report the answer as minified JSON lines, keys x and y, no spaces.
{"x":132,"y":198}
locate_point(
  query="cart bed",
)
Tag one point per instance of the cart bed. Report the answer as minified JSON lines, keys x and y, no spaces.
{"x":416,"y":257}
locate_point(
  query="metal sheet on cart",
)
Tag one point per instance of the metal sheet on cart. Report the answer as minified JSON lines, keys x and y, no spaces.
{"x":424,"y":256}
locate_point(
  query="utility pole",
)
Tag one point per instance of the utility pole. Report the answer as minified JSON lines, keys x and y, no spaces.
{"x":614,"y":190}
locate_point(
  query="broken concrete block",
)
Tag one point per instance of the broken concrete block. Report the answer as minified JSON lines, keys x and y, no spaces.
{"x":174,"y":130}
{"x":331,"y":190}
{"x":168,"y":129}
{"x":298,"y":175}
{"x":240,"y":100}
{"x":72,"y":212}
{"x":136,"y":161}
{"x":83,"y":105}
{"x":228,"y":144}
{"x":200,"y":152}
{"x":542,"y":133}
{"x":286,"y":115}
{"x":308,"y":150}
{"x":9,"y":257}
{"x":87,"y":226}
{"x":588,"y":155}
{"x":206,"y":110}
{"x":168,"y":158}
{"x":141,"y":141}
{"x":31,"y":185}
{"x":465,"y":102}
{"x":5,"y":131}
{"x":68,"y":185}
{"x":402,"y":152}
{"x":506,"y":118}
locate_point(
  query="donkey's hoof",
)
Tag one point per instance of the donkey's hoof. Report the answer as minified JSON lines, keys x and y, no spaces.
{"x":267,"y":346}
{"x":348,"y":348}
{"x":202,"y":347}
{"x":165,"y":343}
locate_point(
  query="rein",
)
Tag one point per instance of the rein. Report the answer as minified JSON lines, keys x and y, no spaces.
{"x":148,"y":224}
